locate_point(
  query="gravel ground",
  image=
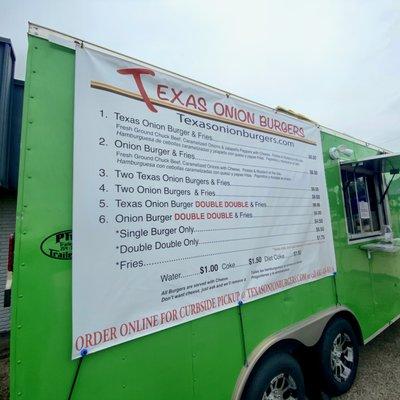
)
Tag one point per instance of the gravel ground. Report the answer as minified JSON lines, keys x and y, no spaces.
{"x":378,"y":374}
{"x":379,"y":370}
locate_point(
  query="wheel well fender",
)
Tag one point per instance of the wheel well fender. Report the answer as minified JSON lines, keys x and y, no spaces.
{"x":352,"y":320}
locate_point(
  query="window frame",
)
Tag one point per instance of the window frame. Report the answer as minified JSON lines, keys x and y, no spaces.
{"x":380,"y":183}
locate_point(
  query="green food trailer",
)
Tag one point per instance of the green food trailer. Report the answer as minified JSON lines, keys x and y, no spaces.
{"x":221,"y":249}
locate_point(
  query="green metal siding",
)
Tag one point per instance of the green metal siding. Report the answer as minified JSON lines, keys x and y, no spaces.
{"x":41,"y":295}
{"x":196,"y":360}
{"x":370,"y":288}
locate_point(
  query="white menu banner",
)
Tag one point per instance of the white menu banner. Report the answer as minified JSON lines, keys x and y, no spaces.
{"x":186,"y":201}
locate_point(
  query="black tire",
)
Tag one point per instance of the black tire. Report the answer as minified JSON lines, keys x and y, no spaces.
{"x":337,"y":368}
{"x":274,"y":370}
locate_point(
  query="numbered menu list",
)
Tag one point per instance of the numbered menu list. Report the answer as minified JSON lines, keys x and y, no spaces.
{"x":183,"y":203}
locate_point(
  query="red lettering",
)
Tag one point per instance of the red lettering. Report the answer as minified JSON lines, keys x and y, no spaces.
{"x":191,"y":101}
{"x":136,"y":73}
{"x":123,"y":330}
{"x":79,"y":343}
{"x":176,"y":96}
{"x":88,"y":339}
{"x":219,"y":109}
{"x":113,"y":333}
{"x":277,"y":125}
{"x":160,"y":92}
{"x":202,"y":104}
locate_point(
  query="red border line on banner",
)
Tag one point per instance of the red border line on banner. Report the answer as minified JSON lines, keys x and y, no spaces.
{"x":136,"y":96}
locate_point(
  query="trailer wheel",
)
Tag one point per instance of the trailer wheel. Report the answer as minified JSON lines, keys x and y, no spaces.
{"x":278,"y":377}
{"x":338,"y":356}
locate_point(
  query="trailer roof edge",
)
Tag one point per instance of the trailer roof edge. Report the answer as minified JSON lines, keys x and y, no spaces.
{"x":70,"y":42}
{"x":353,"y":139}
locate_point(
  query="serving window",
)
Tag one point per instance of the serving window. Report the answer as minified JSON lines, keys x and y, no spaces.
{"x":364,"y":192}
{"x":365,"y":213}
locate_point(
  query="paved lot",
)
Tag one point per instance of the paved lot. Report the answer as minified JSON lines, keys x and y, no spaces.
{"x":378,"y":374}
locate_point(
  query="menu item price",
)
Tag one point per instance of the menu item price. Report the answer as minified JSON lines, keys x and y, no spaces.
{"x":209,"y":268}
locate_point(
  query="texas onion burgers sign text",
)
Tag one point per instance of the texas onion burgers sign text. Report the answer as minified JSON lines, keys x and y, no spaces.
{"x":187,"y":201}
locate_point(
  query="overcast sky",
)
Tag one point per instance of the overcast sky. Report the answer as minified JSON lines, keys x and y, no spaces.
{"x":337,"y":61}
